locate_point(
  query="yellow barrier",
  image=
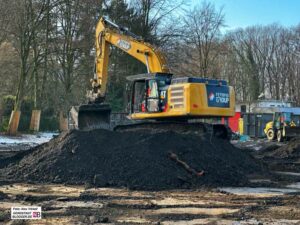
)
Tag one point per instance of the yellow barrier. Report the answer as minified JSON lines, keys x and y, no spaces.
{"x":241,"y":126}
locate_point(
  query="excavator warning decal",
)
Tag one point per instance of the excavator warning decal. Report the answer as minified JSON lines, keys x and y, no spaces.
{"x":218,"y":96}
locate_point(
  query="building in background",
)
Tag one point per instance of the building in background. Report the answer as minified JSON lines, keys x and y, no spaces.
{"x":260,"y":108}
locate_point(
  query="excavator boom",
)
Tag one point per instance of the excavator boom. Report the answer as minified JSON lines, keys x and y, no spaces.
{"x":107,"y":34}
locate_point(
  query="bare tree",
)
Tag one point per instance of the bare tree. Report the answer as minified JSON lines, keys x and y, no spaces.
{"x":155,"y":17}
{"x":28,"y":15}
{"x":202,"y":28}
{"x":5,"y":19}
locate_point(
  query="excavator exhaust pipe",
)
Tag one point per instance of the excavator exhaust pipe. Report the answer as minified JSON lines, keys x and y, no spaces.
{"x":90,"y":117}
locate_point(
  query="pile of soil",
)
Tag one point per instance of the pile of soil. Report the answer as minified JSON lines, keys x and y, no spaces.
{"x":136,"y":160}
{"x":291,"y":150}
{"x":284,"y":158}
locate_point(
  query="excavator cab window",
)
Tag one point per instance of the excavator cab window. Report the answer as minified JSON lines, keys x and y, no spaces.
{"x":152,"y":96}
{"x":148,"y":95}
{"x":138,"y":96}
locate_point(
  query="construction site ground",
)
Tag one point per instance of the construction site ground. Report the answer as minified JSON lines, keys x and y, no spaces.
{"x":263,"y":201}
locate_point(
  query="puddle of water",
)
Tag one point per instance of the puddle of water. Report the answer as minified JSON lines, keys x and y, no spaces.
{"x":175,"y":201}
{"x":118,"y":192}
{"x":198,"y":221}
{"x":133,"y":220}
{"x":259,"y":190}
{"x":260,"y":180}
{"x":42,"y":190}
{"x":35,"y":139}
{"x":195,"y":211}
{"x":287,"y":173}
{"x":218,"y":221}
{"x":294,"y":185}
{"x":78,"y":204}
{"x":8,"y":205}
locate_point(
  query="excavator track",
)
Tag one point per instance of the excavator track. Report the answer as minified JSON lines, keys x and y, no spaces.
{"x":97,"y":116}
{"x":197,"y":128}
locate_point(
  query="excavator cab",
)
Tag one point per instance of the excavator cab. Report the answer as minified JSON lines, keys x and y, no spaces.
{"x":148,"y":92}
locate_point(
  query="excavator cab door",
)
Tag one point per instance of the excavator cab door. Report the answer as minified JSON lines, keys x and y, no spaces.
{"x":137,"y":96}
{"x":148,"y":92}
{"x":144,"y":96}
{"x":152,"y":96}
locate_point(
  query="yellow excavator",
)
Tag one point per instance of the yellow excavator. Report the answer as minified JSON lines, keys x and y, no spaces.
{"x":154,"y":96}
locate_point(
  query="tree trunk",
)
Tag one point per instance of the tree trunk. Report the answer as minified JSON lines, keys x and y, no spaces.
{"x":63,"y":122}
{"x":14,"y":123}
{"x":35,"y":120}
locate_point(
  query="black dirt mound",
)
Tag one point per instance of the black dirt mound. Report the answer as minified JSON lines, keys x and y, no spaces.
{"x":137,"y":160}
{"x":291,"y":150}
{"x":284,"y":158}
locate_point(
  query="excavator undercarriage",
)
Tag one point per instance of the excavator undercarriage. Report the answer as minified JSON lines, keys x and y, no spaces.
{"x":183,"y":127}
{"x":92,"y":116}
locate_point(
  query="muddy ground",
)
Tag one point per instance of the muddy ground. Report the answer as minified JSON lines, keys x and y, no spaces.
{"x":268,"y":201}
{"x":79,"y":205}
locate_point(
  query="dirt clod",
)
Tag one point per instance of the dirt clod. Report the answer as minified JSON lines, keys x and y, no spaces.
{"x":136,"y":160}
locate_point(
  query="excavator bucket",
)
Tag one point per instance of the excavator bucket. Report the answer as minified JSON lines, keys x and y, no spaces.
{"x":91,"y":116}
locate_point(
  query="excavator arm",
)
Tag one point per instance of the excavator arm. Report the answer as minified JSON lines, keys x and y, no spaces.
{"x":109,"y":33}
{"x":96,"y":114}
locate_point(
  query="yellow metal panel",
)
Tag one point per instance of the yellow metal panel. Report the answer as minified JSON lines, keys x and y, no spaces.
{"x":199,"y":105}
{"x":177,"y":92}
{"x":241,"y":126}
{"x":158,"y":115}
{"x":187,"y":89}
